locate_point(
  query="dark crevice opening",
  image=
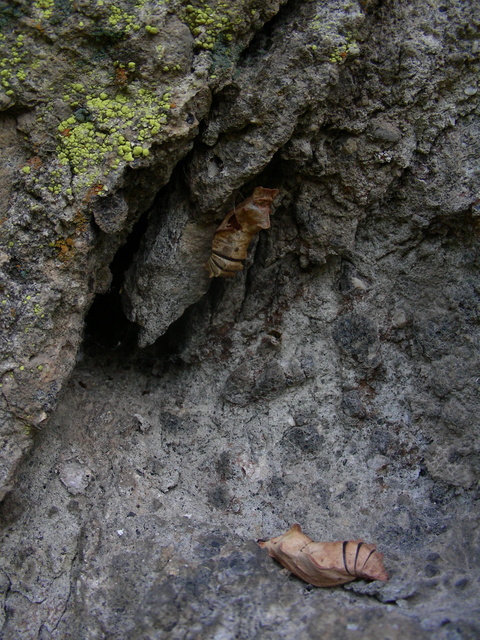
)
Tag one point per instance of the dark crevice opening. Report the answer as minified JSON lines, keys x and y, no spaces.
{"x":109,"y":334}
{"x":106,"y":326}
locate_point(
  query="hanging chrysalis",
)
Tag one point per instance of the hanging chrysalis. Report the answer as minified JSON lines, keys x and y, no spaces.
{"x":326,"y":564}
{"x":232,"y":238}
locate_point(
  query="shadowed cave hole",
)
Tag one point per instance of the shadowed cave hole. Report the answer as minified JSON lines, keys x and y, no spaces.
{"x":106,"y":326}
{"x":108,"y":332}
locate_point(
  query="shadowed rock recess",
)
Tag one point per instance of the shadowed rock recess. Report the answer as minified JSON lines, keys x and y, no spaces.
{"x":154,"y":423}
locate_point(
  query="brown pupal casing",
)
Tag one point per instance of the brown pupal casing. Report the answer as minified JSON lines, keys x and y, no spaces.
{"x":232,"y":238}
{"x":326,"y":564}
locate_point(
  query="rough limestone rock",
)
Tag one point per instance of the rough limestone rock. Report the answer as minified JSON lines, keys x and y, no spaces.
{"x":333,"y":382}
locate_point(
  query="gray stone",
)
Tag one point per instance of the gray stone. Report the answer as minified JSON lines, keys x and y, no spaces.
{"x":169,"y":274}
{"x":75,"y":476}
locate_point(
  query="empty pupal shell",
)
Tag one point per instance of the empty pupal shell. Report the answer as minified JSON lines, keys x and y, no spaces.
{"x":326,"y":564}
{"x":232,"y":238}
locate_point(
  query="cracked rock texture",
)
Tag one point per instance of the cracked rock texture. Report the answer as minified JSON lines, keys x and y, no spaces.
{"x":334,"y":382}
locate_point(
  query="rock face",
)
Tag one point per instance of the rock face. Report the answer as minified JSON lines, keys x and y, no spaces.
{"x":334,"y":382}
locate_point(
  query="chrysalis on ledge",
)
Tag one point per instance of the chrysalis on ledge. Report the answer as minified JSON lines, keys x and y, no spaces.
{"x":232,"y":238}
{"x":326,"y":564}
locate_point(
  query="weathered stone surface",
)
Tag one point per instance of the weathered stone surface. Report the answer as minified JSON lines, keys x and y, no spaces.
{"x":87,"y":143}
{"x":334,"y":382}
{"x":169,"y":272}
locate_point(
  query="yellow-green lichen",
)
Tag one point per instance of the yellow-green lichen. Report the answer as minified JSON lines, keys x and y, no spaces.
{"x":212,"y":20}
{"x":110,"y":129}
{"x":13,"y":65}
{"x":326,"y":32}
{"x":45,"y":7}
{"x":121,"y":19}
{"x":348,"y":48}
